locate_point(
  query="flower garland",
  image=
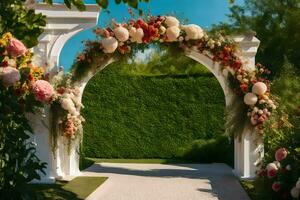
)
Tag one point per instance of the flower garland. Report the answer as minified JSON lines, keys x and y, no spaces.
{"x":29,"y":83}
{"x":121,"y":38}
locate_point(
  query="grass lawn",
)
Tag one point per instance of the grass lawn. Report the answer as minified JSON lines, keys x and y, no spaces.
{"x":77,"y":189}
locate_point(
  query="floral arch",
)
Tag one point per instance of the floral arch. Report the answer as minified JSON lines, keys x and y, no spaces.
{"x":227,"y":58}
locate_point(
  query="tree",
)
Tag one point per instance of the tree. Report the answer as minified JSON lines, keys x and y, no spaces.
{"x":276,"y":24}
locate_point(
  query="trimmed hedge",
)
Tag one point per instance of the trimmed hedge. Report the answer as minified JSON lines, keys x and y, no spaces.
{"x":150,"y":117}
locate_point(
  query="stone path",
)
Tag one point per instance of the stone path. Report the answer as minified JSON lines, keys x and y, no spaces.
{"x":166,"y":182}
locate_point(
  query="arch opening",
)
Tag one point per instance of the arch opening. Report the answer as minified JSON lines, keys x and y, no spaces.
{"x":156,"y":113}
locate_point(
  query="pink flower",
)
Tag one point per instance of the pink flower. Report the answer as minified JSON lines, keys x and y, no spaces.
{"x":42,"y":90}
{"x":281,"y":154}
{"x":272,"y":170}
{"x":16,"y":48}
{"x":276,"y":186}
{"x":9,"y":75}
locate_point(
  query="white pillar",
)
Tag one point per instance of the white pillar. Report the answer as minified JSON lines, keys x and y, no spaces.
{"x":62,"y":24}
{"x":248,"y":149}
{"x":40,"y":123}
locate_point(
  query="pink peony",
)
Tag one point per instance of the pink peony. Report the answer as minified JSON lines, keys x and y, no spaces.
{"x":276,"y":186}
{"x":42,"y":90}
{"x":272,"y":170}
{"x":16,"y":48}
{"x":9,"y":75}
{"x":281,"y":154}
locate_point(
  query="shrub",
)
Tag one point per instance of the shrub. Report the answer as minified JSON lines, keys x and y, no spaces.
{"x":150,"y":117}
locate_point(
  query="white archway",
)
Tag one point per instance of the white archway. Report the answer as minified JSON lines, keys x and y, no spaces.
{"x":62,"y":25}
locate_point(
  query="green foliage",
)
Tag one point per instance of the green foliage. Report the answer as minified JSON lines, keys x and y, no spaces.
{"x":219,"y":149}
{"x":149,"y":116}
{"x":283,"y":130}
{"x":161,"y":62}
{"x":285,"y":120}
{"x":23,"y":23}
{"x":277,"y":26}
{"x":255,"y":189}
{"x":18,"y":162}
{"x":131,"y":3}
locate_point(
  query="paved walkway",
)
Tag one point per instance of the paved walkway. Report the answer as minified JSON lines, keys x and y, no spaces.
{"x":166,"y":182}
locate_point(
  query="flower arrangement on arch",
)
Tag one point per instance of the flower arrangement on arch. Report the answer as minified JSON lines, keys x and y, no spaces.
{"x":28,"y":83}
{"x":19,"y":75}
{"x":251,"y":84}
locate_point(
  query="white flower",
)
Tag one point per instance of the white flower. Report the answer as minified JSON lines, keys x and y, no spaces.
{"x":277,"y":163}
{"x":172,"y":33}
{"x":250,"y":99}
{"x":121,"y":33}
{"x":136,"y":34}
{"x":262,"y":101}
{"x":68,"y":105}
{"x":109,"y":44}
{"x":211,"y":43}
{"x":295,"y":192}
{"x":272,"y":166}
{"x":171,"y":21}
{"x":239,"y":77}
{"x":162,"y":30}
{"x":259,"y":88}
{"x":260,"y":112}
{"x":9,"y":75}
{"x":193,"y":32}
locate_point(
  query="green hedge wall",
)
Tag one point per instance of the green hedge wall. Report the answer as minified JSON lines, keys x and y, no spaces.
{"x":150,"y":117}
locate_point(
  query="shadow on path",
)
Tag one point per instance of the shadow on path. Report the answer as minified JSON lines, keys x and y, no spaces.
{"x":224,"y":184}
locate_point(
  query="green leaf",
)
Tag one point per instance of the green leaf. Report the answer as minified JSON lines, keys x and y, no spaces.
{"x":102,"y":3}
{"x":48,"y":1}
{"x":68,"y":3}
{"x":141,"y":13}
{"x":79,"y":5}
{"x":133,"y":3}
{"x":118,"y":1}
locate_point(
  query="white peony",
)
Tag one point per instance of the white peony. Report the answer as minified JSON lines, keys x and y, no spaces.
{"x":295,"y":192}
{"x":121,"y":33}
{"x":259,"y":88}
{"x":171,"y":21}
{"x":193,"y":32}
{"x":136,"y":34}
{"x":250,"y":99}
{"x":67,"y":104}
{"x":9,"y":75}
{"x":109,"y":44}
{"x":172,"y":33}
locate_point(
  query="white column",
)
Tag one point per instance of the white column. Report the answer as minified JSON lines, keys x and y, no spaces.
{"x":248,"y":149}
{"x":62,"y":24}
{"x":40,"y":123}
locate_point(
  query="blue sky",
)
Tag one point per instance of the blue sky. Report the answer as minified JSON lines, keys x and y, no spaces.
{"x":201,"y":12}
